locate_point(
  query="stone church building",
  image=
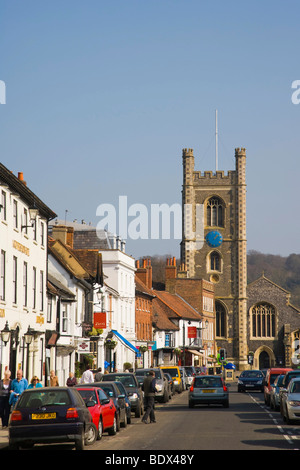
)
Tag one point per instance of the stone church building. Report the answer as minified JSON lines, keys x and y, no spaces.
{"x":257,"y":318}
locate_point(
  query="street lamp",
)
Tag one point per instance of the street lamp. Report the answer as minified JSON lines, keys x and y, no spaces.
{"x":5,"y":334}
{"x":33,"y":213}
{"x":28,"y":337}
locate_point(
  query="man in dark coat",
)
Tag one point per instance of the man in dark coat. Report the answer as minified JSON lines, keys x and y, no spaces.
{"x":149,"y":387}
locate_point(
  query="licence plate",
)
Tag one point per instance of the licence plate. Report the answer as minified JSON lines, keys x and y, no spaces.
{"x":43,"y":416}
{"x":208,"y":391}
{"x":249,"y":385}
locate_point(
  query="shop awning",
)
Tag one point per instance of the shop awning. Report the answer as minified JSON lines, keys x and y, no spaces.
{"x":196,"y":353}
{"x":124,"y":341}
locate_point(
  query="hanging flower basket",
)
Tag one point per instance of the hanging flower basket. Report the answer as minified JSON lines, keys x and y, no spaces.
{"x":110,"y":344}
{"x":143,"y":349}
{"x":177,"y":351}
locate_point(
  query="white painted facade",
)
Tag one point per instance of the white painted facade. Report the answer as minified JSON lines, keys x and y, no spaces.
{"x":119,"y":270}
{"x":23,"y":279}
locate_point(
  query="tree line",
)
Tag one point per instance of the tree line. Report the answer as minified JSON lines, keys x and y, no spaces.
{"x":283,"y":271}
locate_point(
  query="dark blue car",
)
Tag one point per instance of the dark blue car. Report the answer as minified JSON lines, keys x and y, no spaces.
{"x":51,"y":415}
{"x":251,"y":380}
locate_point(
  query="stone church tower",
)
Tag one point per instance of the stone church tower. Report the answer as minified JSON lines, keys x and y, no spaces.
{"x":214,"y":245}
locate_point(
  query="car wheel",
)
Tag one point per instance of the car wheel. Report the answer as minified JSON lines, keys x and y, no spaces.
{"x":129,"y":418}
{"x":124,"y":424}
{"x":226,"y":404}
{"x":287,"y":419}
{"x":191,"y":405}
{"x":79,"y":441}
{"x":113,"y":430}
{"x":166,"y":397}
{"x":90,"y":434}
{"x":100,"y":429}
{"x":138,"y":412}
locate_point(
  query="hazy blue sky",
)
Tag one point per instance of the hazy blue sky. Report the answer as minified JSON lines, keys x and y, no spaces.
{"x":101,"y":97}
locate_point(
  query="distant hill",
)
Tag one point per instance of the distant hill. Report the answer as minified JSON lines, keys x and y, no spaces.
{"x":284,"y":271}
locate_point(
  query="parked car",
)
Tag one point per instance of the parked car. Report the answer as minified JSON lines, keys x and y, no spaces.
{"x":184,"y":378}
{"x":171,"y":383}
{"x":250,"y":380}
{"x":163,"y":393}
{"x":290,"y":409}
{"x":102,"y":409}
{"x":190,"y":374}
{"x":208,"y":389}
{"x":275,"y":392}
{"x":176,"y":376}
{"x":269,"y":380}
{"x":51,"y":415}
{"x":112,"y":391}
{"x":291,"y":374}
{"x":133,"y":388}
{"x":127,"y":401}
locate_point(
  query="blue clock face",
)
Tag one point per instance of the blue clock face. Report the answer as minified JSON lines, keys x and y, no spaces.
{"x":214,"y":238}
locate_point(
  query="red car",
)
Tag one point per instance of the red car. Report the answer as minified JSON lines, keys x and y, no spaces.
{"x":102,"y":409}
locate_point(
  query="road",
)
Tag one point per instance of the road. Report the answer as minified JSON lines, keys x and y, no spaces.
{"x":246,"y":425}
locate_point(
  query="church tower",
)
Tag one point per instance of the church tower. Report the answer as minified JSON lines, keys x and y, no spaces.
{"x":214,"y":245}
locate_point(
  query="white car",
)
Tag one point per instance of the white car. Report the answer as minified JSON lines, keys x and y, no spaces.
{"x":290,"y":404}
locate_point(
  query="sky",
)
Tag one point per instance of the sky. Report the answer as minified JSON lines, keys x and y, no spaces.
{"x":102,"y":96}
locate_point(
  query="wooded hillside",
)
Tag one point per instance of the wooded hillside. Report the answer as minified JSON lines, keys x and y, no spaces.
{"x":284,"y":271}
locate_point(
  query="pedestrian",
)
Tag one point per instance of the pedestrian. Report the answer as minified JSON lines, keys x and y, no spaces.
{"x":18,"y":386}
{"x":71,"y":381}
{"x":87,"y":376}
{"x":53,"y":379}
{"x":5,"y":387}
{"x":35,"y":383}
{"x":149,"y":388}
{"x":98,"y":375}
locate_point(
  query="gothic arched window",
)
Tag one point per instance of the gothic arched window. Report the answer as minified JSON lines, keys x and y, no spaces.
{"x":215,"y":212}
{"x":215,"y":261}
{"x":263,"y":321}
{"x":220,"y":320}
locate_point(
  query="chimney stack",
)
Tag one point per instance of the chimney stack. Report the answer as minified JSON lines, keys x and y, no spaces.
{"x":171,"y":269}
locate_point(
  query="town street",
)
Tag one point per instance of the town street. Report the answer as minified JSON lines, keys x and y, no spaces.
{"x":246,"y":425}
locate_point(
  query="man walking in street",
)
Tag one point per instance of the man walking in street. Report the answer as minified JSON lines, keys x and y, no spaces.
{"x":87,"y":376}
{"x":149,"y":387}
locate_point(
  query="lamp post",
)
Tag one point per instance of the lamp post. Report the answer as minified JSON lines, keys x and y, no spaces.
{"x":5,"y":337}
{"x":28,"y":336}
{"x":5,"y":334}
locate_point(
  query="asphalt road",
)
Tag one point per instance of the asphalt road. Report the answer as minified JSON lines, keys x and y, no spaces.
{"x":246,"y":425}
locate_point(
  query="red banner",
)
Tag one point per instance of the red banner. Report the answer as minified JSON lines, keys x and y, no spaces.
{"x":100,"y":320}
{"x":192,"y":332}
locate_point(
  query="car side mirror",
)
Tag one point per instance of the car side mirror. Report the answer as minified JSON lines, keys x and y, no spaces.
{"x":105,"y":401}
{"x":90,"y":403}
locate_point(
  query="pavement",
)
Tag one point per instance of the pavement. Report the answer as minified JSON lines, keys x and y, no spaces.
{"x":3,"y":438}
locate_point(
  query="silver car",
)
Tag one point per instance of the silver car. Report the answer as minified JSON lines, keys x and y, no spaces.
{"x":208,"y":389}
{"x":290,"y":402}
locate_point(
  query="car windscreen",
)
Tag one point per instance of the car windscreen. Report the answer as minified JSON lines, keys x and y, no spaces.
{"x":272,"y":378}
{"x":207,"y":382}
{"x":37,"y":399}
{"x":127,"y":381}
{"x":108,"y":389}
{"x":144,"y":373}
{"x":295,"y":387}
{"x":172,"y":372}
{"x":252,"y":374}
{"x":88,"y":395}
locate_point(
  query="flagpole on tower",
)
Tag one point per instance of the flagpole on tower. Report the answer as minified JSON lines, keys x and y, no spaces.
{"x":216,"y":140}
